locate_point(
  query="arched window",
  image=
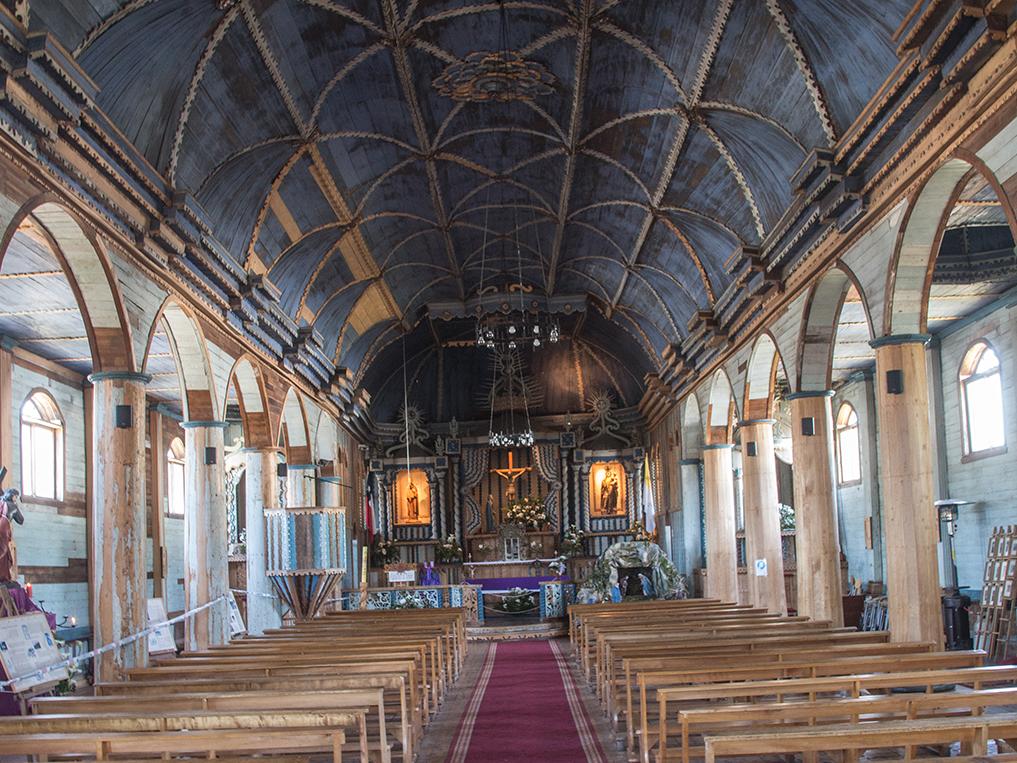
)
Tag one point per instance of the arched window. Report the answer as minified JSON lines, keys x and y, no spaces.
{"x":175,"y":478}
{"x":981,"y":401}
{"x":42,"y":448}
{"x":849,"y":456}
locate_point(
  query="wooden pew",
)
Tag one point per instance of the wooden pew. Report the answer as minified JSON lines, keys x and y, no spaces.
{"x":810,"y":688}
{"x":973,"y":732}
{"x":748,"y":718}
{"x":372,"y":699}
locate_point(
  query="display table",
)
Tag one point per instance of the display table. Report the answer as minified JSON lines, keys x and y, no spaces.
{"x":498,"y":585}
{"x":428,"y":597}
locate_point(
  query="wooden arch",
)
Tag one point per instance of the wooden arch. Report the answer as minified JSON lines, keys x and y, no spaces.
{"x":91,"y":278}
{"x":761,"y":377}
{"x":190,"y":356}
{"x":294,"y":433}
{"x":248,"y":381}
{"x":819,"y":327}
{"x":691,"y":428}
{"x":721,"y":410}
{"x":909,"y":279}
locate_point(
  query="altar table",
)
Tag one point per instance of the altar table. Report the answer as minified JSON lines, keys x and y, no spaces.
{"x":531,"y":583}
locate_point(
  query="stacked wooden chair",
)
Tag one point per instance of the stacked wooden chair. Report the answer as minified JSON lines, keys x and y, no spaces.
{"x":352,"y":685}
{"x":702,"y":679}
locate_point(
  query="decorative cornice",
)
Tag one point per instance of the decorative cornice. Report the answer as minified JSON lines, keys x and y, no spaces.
{"x":892,"y":339}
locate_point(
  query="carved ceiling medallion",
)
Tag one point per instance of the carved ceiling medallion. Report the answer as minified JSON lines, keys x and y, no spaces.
{"x":494,"y":76}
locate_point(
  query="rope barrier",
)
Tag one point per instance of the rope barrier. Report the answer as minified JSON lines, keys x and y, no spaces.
{"x":43,"y":672}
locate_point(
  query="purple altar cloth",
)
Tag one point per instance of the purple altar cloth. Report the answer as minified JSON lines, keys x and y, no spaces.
{"x":504,"y":584}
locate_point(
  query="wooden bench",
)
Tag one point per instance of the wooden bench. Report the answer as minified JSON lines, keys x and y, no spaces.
{"x":873,"y":708}
{"x":973,"y":732}
{"x":372,"y":699}
{"x":810,"y":688}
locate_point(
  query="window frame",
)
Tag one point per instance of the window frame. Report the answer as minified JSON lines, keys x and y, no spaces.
{"x":838,"y":428}
{"x":970,"y":360}
{"x":172,"y":460}
{"x":57,"y":427}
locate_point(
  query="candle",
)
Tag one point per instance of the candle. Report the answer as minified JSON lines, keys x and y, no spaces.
{"x":74,"y":621}
{"x":28,"y":590}
{"x":363,"y":568}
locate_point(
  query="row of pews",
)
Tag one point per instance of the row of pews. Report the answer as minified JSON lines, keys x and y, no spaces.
{"x":360,"y":684}
{"x":700,"y":679}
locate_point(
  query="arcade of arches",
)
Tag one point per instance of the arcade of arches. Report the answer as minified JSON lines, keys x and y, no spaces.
{"x":740,"y":275}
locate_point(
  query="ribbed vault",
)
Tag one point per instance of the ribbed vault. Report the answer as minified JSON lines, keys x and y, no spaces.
{"x":312,"y":135}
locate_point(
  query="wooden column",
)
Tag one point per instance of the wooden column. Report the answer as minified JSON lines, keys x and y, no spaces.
{"x":262,"y":491}
{"x":721,"y":545}
{"x":817,"y":545}
{"x":692,"y":508}
{"x":118,"y":529}
{"x":206,"y":569}
{"x":906,"y":473}
{"x":762,"y":519}
{"x":7,"y":409}
{"x":301,"y":488}
{"x":156,"y":512}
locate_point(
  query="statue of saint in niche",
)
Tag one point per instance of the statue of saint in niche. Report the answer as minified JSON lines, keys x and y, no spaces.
{"x":412,"y":498}
{"x":607,"y":490}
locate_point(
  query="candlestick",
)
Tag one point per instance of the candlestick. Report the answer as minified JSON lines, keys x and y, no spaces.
{"x":28,"y":589}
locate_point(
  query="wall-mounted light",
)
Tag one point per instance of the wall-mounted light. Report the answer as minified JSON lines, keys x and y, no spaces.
{"x":808,"y":426}
{"x":750,"y":449}
{"x":210,"y":456}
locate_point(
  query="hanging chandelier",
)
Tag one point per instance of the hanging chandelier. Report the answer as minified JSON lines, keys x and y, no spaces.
{"x":517,"y":331}
{"x":508,"y":374}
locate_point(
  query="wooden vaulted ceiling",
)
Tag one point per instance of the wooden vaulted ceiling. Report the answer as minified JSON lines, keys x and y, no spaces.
{"x":312,"y":135}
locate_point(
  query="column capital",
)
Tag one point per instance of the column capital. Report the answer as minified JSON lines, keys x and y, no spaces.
{"x":751,"y":422}
{"x":811,"y":393}
{"x":690,"y":462}
{"x":718,"y":446}
{"x":301,"y":466}
{"x":204,"y":424}
{"x":885,"y":341}
{"x":131,"y":376}
{"x":266,"y":449}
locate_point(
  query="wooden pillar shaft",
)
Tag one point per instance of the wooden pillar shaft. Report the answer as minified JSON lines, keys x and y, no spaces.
{"x":118,"y":582}
{"x":906,"y":474}
{"x":7,"y":413}
{"x":206,"y":569}
{"x":817,"y":544}
{"x":261,"y":493}
{"x":721,"y":544}
{"x":301,"y":487}
{"x":762,"y":518}
{"x":156,"y":514}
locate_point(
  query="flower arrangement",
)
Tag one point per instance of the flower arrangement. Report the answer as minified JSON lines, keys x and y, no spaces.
{"x":572,"y":542}
{"x":558,"y":565}
{"x":409,"y":600}
{"x":526,"y":512}
{"x":517,"y":600}
{"x":448,"y":550}
{"x":639,"y":532}
{"x":383,"y":551}
{"x":787,"y":516}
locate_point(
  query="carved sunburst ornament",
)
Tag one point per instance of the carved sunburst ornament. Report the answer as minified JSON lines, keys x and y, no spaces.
{"x":494,"y":76}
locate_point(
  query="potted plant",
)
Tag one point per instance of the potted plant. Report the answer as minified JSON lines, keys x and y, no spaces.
{"x":572,"y":542}
{"x":448,"y":551}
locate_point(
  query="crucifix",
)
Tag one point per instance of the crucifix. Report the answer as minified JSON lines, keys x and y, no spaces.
{"x":511,"y":474}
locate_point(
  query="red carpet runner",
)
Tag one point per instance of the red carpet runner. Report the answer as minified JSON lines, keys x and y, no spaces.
{"x":526,"y":708}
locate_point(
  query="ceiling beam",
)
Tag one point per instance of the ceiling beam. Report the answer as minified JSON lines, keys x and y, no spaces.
{"x":721,"y":16}
{"x":394,"y":28}
{"x":572,"y":142}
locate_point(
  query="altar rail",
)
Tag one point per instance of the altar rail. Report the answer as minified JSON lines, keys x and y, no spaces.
{"x":430,"y":597}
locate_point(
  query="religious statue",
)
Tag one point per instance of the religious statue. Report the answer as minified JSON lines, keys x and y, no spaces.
{"x":413,"y":503}
{"x":609,"y":494}
{"x":9,"y":511}
{"x":607,"y":489}
{"x":412,"y":498}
